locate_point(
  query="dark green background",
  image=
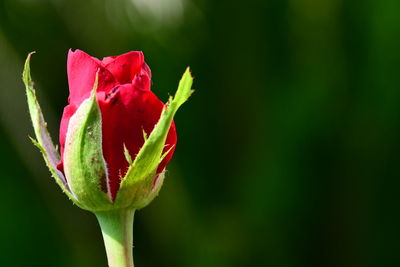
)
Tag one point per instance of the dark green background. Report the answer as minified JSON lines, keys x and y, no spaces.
{"x":287,"y":153}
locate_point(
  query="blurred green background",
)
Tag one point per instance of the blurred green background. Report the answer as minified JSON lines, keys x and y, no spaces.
{"x":287,"y":153}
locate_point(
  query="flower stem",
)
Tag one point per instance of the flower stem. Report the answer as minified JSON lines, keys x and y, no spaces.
{"x":117,"y":229}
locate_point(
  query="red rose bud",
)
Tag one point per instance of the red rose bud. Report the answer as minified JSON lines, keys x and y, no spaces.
{"x":116,"y":136}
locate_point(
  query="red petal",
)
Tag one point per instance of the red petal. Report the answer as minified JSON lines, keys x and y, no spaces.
{"x":107,"y":60}
{"x":125,"y":67}
{"x":170,"y":143}
{"x":125,"y":114}
{"x":82,"y":70}
{"x":67,"y":114}
{"x":142,"y":80}
{"x":147,"y":69}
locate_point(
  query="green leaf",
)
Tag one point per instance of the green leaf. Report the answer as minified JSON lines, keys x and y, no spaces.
{"x":43,"y":140}
{"x":155,"y":190}
{"x":127,"y":155}
{"x":136,"y":187}
{"x":84,"y":165}
{"x":144,"y":135}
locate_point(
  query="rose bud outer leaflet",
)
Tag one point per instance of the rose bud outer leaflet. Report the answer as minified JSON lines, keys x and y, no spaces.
{"x":84,"y":175}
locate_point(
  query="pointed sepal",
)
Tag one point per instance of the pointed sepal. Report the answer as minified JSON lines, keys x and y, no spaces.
{"x":84,"y":164}
{"x":138,"y":188}
{"x":43,"y":140}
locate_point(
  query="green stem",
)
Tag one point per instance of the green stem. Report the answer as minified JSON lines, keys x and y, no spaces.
{"x":117,"y":229}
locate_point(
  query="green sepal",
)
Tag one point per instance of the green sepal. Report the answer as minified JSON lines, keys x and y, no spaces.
{"x":137,"y":189}
{"x":43,"y":140}
{"x":155,"y":189}
{"x":127,"y":155}
{"x":84,"y":164}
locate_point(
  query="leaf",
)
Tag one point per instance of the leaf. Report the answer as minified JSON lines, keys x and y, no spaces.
{"x":43,"y":140}
{"x":138,"y":181}
{"x":127,"y":155}
{"x":144,"y":135}
{"x":155,"y":190}
{"x":166,"y":153}
{"x":84,"y":164}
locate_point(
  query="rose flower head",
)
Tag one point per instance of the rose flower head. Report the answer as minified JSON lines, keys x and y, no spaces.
{"x":116,"y":136}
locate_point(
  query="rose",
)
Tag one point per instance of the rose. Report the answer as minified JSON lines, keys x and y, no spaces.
{"x":116,"y":136}
{"x":128,"y":108}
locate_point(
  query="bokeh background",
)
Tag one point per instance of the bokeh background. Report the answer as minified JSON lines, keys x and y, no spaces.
{"x":288,"y":152}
